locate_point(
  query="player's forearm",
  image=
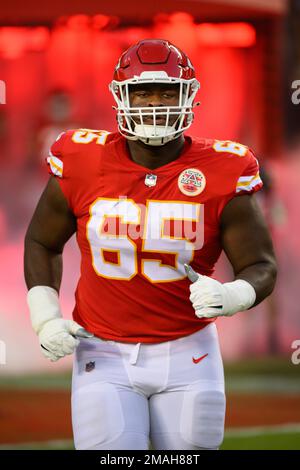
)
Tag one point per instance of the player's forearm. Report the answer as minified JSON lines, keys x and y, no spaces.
{"x":262,"y":277}
{"x":42,"y":267}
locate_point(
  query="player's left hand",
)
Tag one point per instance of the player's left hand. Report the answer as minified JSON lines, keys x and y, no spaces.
{"x":211,"y":298}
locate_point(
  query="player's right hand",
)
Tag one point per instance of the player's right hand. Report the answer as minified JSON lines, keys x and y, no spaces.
{"x":58,"y":338}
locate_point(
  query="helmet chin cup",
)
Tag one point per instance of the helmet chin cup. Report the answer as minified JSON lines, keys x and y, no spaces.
{"x":155,"y":135}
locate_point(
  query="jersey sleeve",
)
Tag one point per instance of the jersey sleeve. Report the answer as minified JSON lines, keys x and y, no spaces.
{"x":242,"y":176}
{"x":55,"y":157}
{"x":74,"y":159}
{"x":249,"y":180}
{"x":59,"y":165}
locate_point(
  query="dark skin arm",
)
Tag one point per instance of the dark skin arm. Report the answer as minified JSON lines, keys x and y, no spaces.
{"x":52,"y":225}
{"x":248,"y":245}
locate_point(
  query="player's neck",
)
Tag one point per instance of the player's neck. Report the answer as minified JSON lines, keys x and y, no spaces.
{"x":154,"y":157}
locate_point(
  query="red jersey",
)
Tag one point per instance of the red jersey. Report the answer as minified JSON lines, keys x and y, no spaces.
{"x":137,"y":227}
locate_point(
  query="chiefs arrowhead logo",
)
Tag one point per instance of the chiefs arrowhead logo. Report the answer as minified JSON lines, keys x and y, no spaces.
{"x":191,"y":182}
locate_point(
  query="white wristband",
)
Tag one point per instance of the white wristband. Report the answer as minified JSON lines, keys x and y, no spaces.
{"x":43,"y":305}
{"x":239,"y":296}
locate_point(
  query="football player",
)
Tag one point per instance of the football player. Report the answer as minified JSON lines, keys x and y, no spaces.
{"x":152,"y":209}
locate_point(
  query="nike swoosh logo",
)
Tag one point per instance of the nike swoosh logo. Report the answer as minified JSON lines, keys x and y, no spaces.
{"x":196,"y":361}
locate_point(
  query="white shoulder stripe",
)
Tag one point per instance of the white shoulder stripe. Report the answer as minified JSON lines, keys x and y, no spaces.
{"x":247,"y":178}
{"x":56,"y":165}
{"x":248,"y":187}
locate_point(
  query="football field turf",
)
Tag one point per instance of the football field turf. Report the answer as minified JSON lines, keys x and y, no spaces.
{"x":267,"y":438}
{"x":263,"y":408}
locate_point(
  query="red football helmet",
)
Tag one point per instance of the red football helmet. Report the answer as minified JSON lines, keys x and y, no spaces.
{"x":154,"y":61}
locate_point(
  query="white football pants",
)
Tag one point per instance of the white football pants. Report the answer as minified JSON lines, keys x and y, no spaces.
{"x":171,"y":393}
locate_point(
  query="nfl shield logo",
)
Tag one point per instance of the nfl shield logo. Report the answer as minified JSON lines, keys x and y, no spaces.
{"x":90,"y":366}
{"x":150,"y":180}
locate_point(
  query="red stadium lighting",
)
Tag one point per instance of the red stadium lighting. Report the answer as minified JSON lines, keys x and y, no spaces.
{"x":38,"y":38}
{"x":114,"y":21}
{"x":79,"y":21}
{"x":179,"y":27}
{"x":12,"y":42}
{"x":240,"y":34}
{"x":227,"y":34}
{"x":15,"y":41}
{"x":180,"y":17}
{"x":61,"y":21}
{"x":209,"y":34}
{"x":101,"y":21}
